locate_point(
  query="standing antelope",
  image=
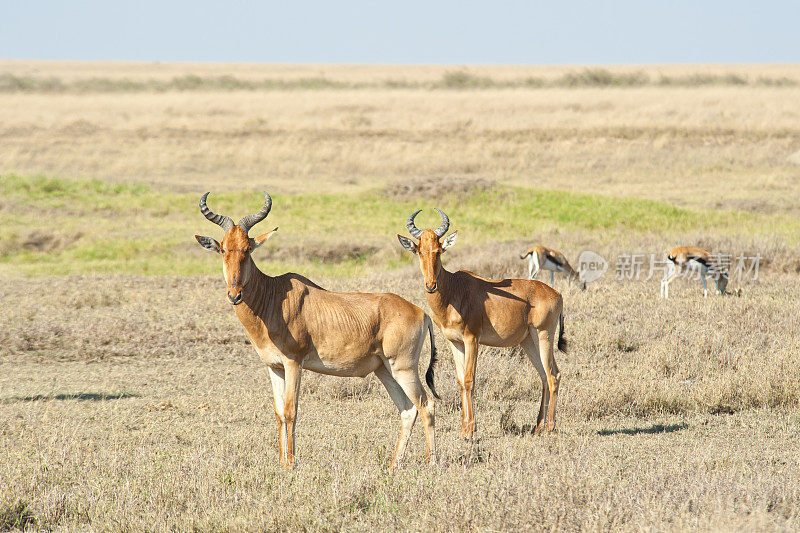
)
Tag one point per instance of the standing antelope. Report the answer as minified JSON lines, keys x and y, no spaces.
{"x":471,"y":310}
{"x":692,"y":258}
{"x":543,"y":258}
{"x":293,"y":324}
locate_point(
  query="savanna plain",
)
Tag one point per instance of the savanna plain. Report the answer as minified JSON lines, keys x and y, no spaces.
{"x":131,"y":400}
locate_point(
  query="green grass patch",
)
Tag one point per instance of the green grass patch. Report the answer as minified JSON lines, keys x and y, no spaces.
{"x":131,"y":228}
{"x":40,"y":187}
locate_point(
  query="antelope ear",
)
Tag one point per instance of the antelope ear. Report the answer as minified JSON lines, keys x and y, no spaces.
{"x":450,"y":240}
{"x":407,"y":243}
{"x":261,"y":239}
{"x":208,"y":243}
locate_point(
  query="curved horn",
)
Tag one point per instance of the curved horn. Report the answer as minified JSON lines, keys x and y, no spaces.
{"x":251,"y":220}
{"x":412,"y":228}
{"x":221,"y":220}
{"x":441,"y":230}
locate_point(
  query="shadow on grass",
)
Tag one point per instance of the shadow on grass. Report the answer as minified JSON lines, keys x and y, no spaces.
{"x":512,"y":428}
{"x":652,"y":430}
{"x":473,"y":455}
{"x":508,"y":426}
{"x":17,"y":516}
{"x":80,"y":396}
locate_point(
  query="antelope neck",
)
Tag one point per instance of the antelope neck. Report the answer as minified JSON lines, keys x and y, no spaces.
{"x":441,"y":296}
{"x":258,"y":293}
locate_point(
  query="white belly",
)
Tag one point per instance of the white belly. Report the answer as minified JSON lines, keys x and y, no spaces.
{"x":696,"y":266}
{"x":549,"y":265}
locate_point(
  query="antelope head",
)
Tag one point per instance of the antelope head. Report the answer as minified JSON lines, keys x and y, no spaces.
{"x":429,"y":247}
{"x":236,"y":246}
{"x":721,"y":278}
{"x":575,"y":275}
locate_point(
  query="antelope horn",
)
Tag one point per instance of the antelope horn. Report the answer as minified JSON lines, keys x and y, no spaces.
{"x":441,"y":230}
{"x":221,"y":220}
{"x":412,"y":228}
{"x":251,"y":220}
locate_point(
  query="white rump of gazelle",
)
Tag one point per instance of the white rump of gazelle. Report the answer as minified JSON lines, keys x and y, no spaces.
{"x":690,"y":258}
{"x":295,"y":324}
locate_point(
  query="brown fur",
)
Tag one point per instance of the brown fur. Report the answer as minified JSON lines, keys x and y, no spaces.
{"x":472,"y":310}
{"x":295,"y":324}
{"x":682,"y":254}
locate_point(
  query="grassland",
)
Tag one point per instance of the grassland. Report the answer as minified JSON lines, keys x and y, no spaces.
{"x":453,"y":79}
{"x":371,"y":75}
{"x":130,"y":399}
{"x":96,"y":226}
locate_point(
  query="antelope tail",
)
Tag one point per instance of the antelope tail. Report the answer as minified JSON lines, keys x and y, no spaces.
{"x":562,"y":342}
{"x":429,"y":373}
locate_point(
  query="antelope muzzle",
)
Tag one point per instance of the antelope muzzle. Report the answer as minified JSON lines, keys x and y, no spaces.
{"x":235,"y":295}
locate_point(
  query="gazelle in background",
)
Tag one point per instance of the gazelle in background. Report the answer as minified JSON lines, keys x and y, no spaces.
{"x":543,"y":258}
{"x":295,"y":324}
{"x":686,"y":258}
{"x":471,"y":310}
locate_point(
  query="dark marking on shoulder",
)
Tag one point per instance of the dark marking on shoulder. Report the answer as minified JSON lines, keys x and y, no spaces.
{"x":700,"y":259}
{"x":554,"y":258}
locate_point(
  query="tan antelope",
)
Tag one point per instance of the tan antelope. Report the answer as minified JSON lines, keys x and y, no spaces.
{"x":686,"y":258}
{"x":471,"y":310}
{"x":295,"y":324}
{"x":543,"y":258}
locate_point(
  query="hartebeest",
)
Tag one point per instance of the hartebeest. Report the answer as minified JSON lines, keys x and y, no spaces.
{"x":295,"y":324}
{"x":686,"y":258}
{"x":471,"y":310}
{"x":544,"y":258}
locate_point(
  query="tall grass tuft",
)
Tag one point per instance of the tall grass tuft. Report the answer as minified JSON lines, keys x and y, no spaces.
{"x":599,"y":77}
{"x":704,"y":79}
{"x":16,"y":516}
{"x":455,"y":79}
{"x":459,"y":79}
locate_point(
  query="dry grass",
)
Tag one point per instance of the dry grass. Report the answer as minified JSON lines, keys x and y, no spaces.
{"x":71,"y":71}
{"x":706,"y":146}
{"x":458,"y":79}
{"x":134,"y":402}
{"x":144,"y":407}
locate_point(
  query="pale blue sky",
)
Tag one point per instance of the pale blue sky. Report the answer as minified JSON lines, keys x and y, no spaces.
{"x":680,"y":31}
